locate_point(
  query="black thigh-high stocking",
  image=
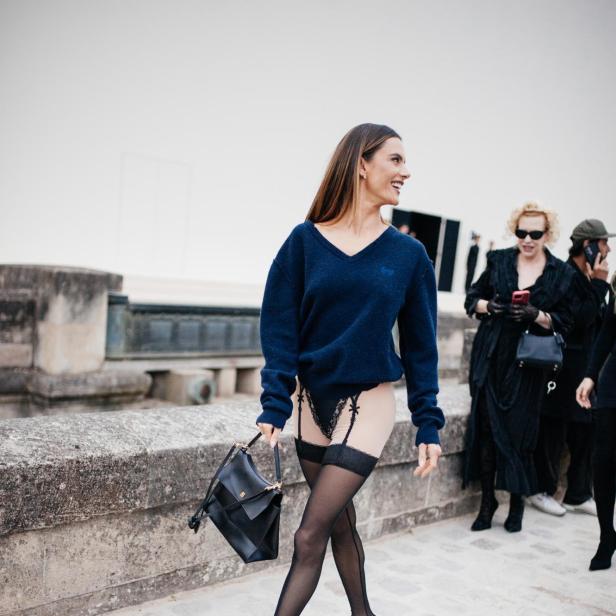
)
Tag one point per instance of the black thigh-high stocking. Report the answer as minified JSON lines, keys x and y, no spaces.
{"x":349,"y":556}
{"x":331,"y":493}
{"x":347,"y":549}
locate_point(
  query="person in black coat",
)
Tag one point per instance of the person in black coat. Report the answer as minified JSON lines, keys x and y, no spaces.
{"x":471,"y":261}
{"x":506,"y":398}
{"x":563,"y":421}
{"x":603,"y":374}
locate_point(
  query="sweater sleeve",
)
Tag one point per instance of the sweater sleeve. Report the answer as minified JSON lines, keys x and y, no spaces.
{"x":480,"y":289}
{"x":562,"y":313}
{"x":419,"y":354}
{"x":279,"y":330}
{"x":604,"y":342}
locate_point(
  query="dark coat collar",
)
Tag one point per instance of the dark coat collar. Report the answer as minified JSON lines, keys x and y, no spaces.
{"x":578,"y":272}
{"x":550,"y":287}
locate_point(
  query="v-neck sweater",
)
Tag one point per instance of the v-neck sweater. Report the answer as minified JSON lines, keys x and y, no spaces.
{"x":327,"y":318}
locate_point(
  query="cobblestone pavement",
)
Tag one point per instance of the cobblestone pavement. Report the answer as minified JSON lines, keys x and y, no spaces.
{"x":440,"y":570}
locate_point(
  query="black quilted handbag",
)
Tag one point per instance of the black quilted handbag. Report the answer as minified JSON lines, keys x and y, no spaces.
{"x":244,"y":506}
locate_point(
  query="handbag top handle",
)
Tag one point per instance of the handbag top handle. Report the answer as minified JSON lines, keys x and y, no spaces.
{"x":276,"y":453}
{"x":549,"y":317}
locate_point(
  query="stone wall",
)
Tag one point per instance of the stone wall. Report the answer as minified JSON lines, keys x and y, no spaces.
{"x":60,"y":353}
{"x":70,"y":313}
{"x":93,"y":507}
{"x":451,"y":330}
{"x":52,"y":342}
{"x":16,"y":328}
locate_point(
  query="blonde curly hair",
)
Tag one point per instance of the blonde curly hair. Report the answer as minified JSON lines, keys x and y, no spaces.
{"x":552,"y":230}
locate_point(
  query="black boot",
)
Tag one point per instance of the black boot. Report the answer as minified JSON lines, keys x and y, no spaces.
{"x":513,"y":523}
{"x":603,"y":558}
{"x":487,"y":472}
{"x":489,"y":504}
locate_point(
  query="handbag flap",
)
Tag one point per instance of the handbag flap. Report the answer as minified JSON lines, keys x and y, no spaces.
{"x":241,"y":478}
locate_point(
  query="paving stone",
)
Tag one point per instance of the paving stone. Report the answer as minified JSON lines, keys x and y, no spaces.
{"x":546,"y":548}
{"x":399,"y":586}
{"x":454,"y":534}
{"x":445,"y":564}
{"x":377,"y":556}
{"x":495,"y":573}
{"x":385,"y":606}
{"x":541,"y":532}
{"x":406,"y":547}
{"x":564,"y":569}
{"x":550,"y":521}
{"x":452,"y":547}
{"x":486,"y":544}
{"x":523,"y":555}
{"x":587,"y":534}
{"x":412,"y":568}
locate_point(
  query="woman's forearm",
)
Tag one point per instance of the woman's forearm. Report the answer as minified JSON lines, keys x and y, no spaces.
{"x":544,"y":320}
{"x":482,"y":306}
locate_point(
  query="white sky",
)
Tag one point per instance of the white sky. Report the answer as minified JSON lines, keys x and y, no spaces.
{"x":185,"y":139}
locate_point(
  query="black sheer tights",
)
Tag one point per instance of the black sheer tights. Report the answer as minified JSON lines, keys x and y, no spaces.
{"x":604,"y":471}
{"x":329,"y":513}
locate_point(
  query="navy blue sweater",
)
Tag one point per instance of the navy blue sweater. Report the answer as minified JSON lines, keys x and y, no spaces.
{"x":327,"y":318}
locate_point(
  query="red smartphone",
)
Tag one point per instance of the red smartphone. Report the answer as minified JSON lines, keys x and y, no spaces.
{"x":520,"y":297}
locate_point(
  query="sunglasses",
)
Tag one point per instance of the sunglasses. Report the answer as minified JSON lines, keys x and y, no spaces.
{"x":534,"y":235}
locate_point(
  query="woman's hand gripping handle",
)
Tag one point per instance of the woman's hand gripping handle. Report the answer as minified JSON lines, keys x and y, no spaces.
{"x":270,"y":432}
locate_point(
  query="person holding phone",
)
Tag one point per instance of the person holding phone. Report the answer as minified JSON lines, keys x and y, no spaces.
{"x":601,"y":371}
{"x":522,"y":288}
{"x":563,"y":421}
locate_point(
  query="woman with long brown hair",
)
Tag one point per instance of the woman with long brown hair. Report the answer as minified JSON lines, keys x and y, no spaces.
{"x":333,"y":294}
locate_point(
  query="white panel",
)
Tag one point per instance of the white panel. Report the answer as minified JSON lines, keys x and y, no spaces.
{"x":186,"y":138}
{"x":152,"y":225}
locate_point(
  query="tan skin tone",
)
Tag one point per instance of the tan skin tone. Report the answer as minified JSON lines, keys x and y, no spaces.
{"x":382,"y":179}
{"x":531,"y":262}
{"x":582,"y":393}
{"x":600,"y":270}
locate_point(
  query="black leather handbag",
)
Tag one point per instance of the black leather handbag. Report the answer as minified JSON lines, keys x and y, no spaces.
{"x":244,"y":506}
{"x":540,"y":351}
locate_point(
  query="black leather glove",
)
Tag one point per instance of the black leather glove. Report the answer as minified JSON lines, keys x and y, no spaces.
{"x":523,"y":313}
{"x":494,"y":307}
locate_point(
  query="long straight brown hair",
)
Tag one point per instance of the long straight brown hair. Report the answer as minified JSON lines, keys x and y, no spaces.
{"x":339,"y":189}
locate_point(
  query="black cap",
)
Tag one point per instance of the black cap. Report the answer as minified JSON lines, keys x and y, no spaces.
{"x":591,"y":229}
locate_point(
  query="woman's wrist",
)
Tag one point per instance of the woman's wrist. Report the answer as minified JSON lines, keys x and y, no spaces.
{"x":481,"y":307}
{"x":543,"y":319}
